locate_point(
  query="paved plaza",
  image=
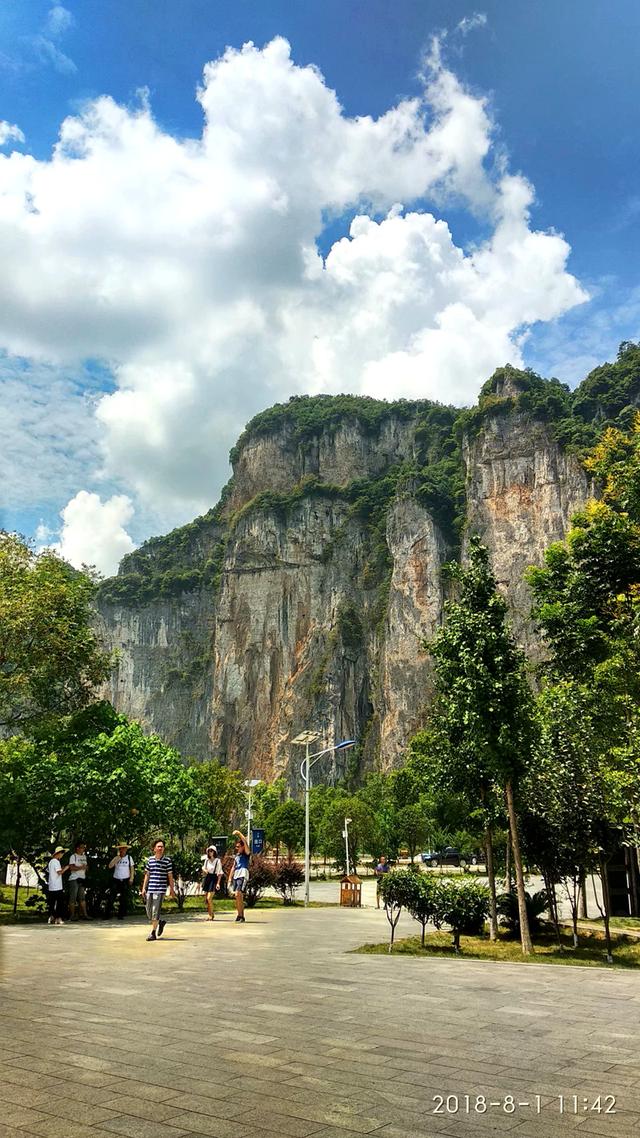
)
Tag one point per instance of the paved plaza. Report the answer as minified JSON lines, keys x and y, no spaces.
{"x":274,"y":1029}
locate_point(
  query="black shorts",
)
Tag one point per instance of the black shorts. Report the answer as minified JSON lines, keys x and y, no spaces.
{"x":209,"y":883}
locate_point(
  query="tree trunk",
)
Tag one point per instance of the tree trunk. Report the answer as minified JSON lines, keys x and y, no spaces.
{"x":491,"y":874}
{"x":525,"y":935}
{"x":606,"y":902}
{"x":507,"y":873}
{"x":583,"y":913}
{"x":17,"y":886}
{"x":553,"y":905}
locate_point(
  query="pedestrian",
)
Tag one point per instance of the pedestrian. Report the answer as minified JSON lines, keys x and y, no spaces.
{"x":381,"y":868}
{"x":212,"y":875}
{"x":123,"y":866}
{"x":158,"y":874}
{"x":77,"y":881}
{"x":55,"y":887}
{"x":239,"y":875}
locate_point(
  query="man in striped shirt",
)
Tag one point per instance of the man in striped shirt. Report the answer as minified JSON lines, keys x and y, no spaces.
{"x":158,"y":874}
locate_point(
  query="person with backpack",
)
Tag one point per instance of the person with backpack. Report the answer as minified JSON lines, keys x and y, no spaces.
{"x":212,"y":875}
{"x":239,"y":875}
{"x":123,"y":867}
{"x":55,"y":886}
{"x":158,"y":874}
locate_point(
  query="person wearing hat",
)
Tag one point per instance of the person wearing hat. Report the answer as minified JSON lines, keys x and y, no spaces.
{"x":123,"y":867}
{"x":212,"y":875}
{"x":55,"y":888}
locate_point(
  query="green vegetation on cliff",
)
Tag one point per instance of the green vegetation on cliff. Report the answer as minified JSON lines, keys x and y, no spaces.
{"x":307,"y":415}
{"x":608,"y":397}
{"x":192,"y":556}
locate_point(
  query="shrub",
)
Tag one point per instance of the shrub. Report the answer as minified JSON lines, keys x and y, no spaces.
{"x":288,"y":876}
{"x":187,"y":871}
{"x":464,"y":905}
{"x":262,"y":875}
{"x":537,"y":904}
{"x":36,"y":901}
{"x":398,"y":890}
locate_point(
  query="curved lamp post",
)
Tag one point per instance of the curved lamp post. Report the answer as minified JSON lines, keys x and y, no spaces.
{"x":305,"y":739}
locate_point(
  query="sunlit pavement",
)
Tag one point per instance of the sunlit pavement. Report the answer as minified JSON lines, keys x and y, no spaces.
{"x":274,"y":1028}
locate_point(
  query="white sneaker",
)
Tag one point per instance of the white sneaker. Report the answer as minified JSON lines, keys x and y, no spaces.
{"x":59,"y":921}
{"x":51,"y":921}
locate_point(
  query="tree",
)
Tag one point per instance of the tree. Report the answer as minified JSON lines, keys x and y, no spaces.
{"x":223,"y":791}
{"x":587,"y":607}
{"x":483,"y":721}
{"x":286,"y":824}
{"x":96,"y":775}
{"x":266,"y":796}
{"x":50,"y":657}
{"x":363,"y":835}
{"x":413,"y":824}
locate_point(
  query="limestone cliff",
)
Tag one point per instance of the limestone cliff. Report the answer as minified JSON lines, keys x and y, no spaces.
{"x":304,"y":599}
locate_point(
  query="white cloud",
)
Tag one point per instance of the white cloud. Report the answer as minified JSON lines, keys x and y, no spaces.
{"x":59,"y":20}
{"x":45,"y":45}
{"x":9,"y":132}
{"x":191,"y":265}
{"x":470,"y":23}
{"x":43,"y":534}
{"x":48,"y":432}
{"x":93,"y":531}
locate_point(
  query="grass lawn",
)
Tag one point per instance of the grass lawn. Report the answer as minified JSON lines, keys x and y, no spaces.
{"x":192,"y":905}
{"x":591,"y":951}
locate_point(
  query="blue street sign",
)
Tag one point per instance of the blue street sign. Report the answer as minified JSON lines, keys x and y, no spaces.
{"x":257,"y":841}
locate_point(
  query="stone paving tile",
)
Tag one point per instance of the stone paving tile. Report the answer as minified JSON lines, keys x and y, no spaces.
{"x":65,"y":1128}
{"x":75,"y":1111}
{"x":307,"y":1040}
{"x":201,"y":1104}
{"x":21,"y":1117}
{"x":281,"y":1123}
{"x":141,"y":1128}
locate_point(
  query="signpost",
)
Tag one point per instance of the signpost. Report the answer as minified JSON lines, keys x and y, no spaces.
{"x":257,"y":841}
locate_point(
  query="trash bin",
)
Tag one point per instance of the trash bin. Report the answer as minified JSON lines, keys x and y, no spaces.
{"x":351,"y":891}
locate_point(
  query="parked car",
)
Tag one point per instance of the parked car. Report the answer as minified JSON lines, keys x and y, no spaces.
{"x":449,"y":856}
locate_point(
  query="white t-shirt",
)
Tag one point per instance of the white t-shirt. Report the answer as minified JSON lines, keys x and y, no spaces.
{"x":213,"y":865}
{"x":123,"y":868}
{"x":80,"y":872}
{"x":55,"y":878}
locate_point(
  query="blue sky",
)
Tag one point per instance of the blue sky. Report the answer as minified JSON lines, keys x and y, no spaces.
{"x":559,"y":88}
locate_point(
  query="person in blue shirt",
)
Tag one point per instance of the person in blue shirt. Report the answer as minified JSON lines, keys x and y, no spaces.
{"x":239,"y":875}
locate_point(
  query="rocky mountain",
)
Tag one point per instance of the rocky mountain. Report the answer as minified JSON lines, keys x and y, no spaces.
{"x":304,"y":599}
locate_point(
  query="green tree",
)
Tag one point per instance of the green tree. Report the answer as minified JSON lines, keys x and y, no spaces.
{"x":363,"y":834}
{"x":266,"y":796}
{"x":414,"y":825}
{"x":483,"y":720}
{"x":95,"y":775}
{"x":50,"y":657}
{"x":286,"y":824}
{"x":223,"y":790}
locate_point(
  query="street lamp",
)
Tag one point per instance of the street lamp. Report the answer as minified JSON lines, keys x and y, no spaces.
{"x":345,"y":835}
{"x":303,"y":740}
{"x":250,"y":783}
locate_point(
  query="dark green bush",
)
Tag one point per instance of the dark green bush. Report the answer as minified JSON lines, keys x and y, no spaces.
{"x":537,"y":904}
